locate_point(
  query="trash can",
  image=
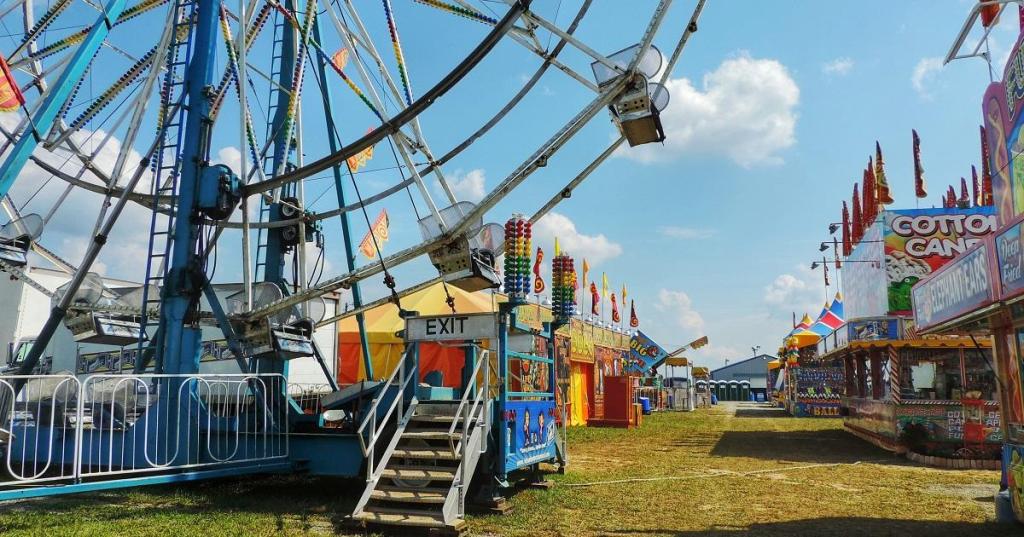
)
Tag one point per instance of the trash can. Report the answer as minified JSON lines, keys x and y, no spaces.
{"x":760,"y":397}
{"x":645,"y":404}
{"x":714,"y":398}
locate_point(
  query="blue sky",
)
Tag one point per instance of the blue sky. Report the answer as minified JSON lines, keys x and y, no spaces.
{"x":775,"y":109}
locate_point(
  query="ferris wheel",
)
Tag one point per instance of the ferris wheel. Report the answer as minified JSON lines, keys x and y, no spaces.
{"x":169,"y":134}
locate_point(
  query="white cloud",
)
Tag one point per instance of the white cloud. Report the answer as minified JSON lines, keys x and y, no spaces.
{"x":595,"y":248}
{"x":924,"y":73}
{"x":230,"y":156}
{"x":745,"y":110}
{"x":800,"y":293}
{"x":838,"y":67}
{"x":466,"y":187}
{"x":677,"y":232}
{"x":678,"y":310}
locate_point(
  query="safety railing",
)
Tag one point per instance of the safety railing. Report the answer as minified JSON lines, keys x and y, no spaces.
{"x":396,"y":385}
{"x":59,"y":427}
{"x":308,"y":395}
{"x":40,"y":427}
{"x":472,"y":410}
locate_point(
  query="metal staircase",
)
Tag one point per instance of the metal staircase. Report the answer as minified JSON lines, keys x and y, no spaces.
{"x":422,"y":478}
{"x":166,"y":166}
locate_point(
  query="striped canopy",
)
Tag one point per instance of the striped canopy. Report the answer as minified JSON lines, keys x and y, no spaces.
{"x":831,"y":317}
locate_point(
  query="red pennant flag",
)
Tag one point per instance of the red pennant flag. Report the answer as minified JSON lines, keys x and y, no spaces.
{"x":920,"y":189}
{"x":870,"y":207}
{"x":986,"y":172}
{"x":965,"y":199}
{"x":974,"y":186}
{"x":857,"y":224}
{"x":989,"y":14}
{"x":595,"y":299}
{"x":824,"y":266}
{"x":835,"y":249}
{"x":847,"y":247}
{"x":615,"y":310}
{"x":538,"y":281}
{"x":10,"y":95}
{"x":634,"y":321}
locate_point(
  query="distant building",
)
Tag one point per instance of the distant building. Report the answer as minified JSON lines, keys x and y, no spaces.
{"x":753,"y":370}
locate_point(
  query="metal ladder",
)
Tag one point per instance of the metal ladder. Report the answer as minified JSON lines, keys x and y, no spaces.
{"x":281,"y":25}
{"x":166,"y":166}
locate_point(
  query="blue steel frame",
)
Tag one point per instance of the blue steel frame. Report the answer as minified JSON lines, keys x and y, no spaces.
{"x":507,"y":400}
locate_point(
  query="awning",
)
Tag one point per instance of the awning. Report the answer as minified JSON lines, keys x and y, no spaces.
{"x":931,"y":343}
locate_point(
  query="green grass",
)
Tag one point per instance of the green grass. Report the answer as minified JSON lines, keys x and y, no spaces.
{"x":734,"y":475}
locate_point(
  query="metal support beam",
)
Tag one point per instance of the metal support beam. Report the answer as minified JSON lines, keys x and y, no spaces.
{"x":47,"y":113}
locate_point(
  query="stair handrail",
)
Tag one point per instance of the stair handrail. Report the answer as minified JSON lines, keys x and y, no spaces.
{"x":478,"y":410}
{"x":401,"y":380}
{"x":469,"y":408}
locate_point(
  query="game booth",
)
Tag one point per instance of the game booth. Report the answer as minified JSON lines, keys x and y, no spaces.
{"x":810,"y":384}
{"x":587,"y":355}
{"x":933,"y":398}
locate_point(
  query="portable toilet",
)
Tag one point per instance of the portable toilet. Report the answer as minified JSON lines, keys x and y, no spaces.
{"x":723,"y":391}
{"x":734,"y":390}
{"x":745,"y":390}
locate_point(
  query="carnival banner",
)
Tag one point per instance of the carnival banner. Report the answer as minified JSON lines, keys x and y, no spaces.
{"x":919,"y":241}
{"x":529,"y":433}
{"x":644,"y":353}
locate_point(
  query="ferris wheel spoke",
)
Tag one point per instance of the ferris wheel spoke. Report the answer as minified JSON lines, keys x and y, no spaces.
{"x":399,"y":142}
{"x":534,"y":162}
{"x":66,"y":42}
{"x":40,"y":26}
{"x":420,"y":105}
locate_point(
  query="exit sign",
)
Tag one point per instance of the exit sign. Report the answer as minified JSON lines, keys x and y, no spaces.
{"x":452,"y":327}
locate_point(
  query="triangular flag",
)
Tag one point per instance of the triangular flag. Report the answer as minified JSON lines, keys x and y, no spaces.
{"x":604,"y":285}
{"x":884,"y":196}
{"x":586,"y":270}
{"x":623,"y":294}
{"x":595,"y":299}
{"x":920,"y":189}
{"x":615,"y":310}
{"x":634,"y":321}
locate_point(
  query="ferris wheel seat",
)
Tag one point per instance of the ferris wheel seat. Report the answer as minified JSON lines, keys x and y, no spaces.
{"x":105,"y":328}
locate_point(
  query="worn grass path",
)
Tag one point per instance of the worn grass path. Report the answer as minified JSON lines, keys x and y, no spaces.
{"x":712,"y":472}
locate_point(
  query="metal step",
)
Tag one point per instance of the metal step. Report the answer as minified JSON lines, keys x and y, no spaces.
{"x":406,"y":517}
{"x":430,"y":435}
{"x":420,"y":472}
{"x":424,"y":453}
{"x":430,"y":418}
{"x":395,"y":494}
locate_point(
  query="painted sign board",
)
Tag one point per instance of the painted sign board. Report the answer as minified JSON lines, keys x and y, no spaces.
{"x":919,"y":241}
{"x":529,"y":433}
{"x":452,"y":327}
{"x":873,"y":329}
{"x":644,"y":354}
{"x":960,"y":287}
{"x":1010,"y":259}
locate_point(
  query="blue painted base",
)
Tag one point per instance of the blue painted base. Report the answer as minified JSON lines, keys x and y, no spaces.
{"x":336,"y":455}
{"x":77,"y":488}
